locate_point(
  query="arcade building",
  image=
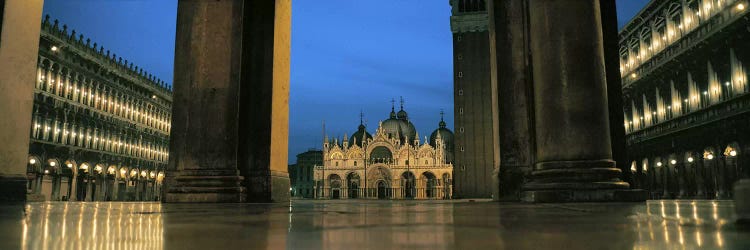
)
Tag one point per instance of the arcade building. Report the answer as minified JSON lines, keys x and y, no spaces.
{"x":100,"y":125}
{"x":687,"y":106}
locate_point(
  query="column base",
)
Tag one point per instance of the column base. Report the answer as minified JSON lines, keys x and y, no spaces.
{"x":579,"y":181}
{"x":606,"y":195}
{"x":280,"y":185}
{"x":742,"y":200}
{"x":270,"y":186}
{"x":205,"y":186}
{"x":13,"y":188}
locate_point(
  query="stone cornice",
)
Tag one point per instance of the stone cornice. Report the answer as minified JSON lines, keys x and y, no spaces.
{"x":475,"y":22}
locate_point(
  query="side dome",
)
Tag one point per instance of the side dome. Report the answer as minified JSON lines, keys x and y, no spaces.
{"x":446,"y":135}
{"x":359,"y":135}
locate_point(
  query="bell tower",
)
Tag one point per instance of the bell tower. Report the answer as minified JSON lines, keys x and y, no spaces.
{"x":474,"y":146}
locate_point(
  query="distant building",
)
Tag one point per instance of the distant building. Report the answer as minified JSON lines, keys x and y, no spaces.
{"x":394,"y":164}
{"x":474,"y":149}
{"x":301,"y":173}
{"x":100,"y":126}
{"x":687,"y":107}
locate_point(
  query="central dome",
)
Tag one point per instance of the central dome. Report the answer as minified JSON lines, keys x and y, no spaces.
{"x":399,"y":126}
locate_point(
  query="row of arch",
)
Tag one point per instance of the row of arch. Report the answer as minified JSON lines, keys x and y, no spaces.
{"x":659,"y":100}
{"x":707,"y":173}
{"x":58,"y":80}
{"x":68,"y":127}
{"x":380,"y":185}
{"x":54,"y":179}
{"x":677,"y":18}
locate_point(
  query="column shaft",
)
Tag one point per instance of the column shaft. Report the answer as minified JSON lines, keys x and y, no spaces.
{"x":19,"y":46}
{"x":573,"y":145}
{"x":512,"y":76}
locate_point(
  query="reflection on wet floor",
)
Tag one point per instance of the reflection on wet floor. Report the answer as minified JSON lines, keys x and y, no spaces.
{"x":72,"y":225}
{"x":373,"y":224}
{"x":688,"y":224}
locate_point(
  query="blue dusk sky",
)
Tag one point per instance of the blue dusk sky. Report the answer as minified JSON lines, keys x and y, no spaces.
{"x":347,"y":56}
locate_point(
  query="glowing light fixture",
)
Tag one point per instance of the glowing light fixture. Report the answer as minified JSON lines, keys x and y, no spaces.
{"x":740,"y":6}
{"x":52,"y":163}
{"x":710,"y":156}
{"x":54,"y":48}
{"x":733,"y":153}
{"x":70,"y":165}
{"x":658,"y":164}
{"x":690,"y":159}
{"x":673,"y":162}
{"x":32,"y":161}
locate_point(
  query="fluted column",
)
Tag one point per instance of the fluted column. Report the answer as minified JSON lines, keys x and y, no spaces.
{"x":573,"y":146}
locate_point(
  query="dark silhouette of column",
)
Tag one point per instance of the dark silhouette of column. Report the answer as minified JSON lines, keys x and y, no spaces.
{"x":511,"y":75}
{"x":230,"y":115}
{"x":573,"y":145}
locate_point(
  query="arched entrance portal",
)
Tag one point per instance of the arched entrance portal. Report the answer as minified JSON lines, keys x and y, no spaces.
{"x":382,"y":190}
{"x":408,"y":188}
{"x":352,"y":183}
{"x":430,"y":190}
{"x":335,"y":184}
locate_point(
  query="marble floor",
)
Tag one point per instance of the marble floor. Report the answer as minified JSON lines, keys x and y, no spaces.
{"x":357,"y":224}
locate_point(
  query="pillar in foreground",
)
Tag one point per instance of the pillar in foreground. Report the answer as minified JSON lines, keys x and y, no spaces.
{"x":19,"y":47}
{"x":230,"y":110}
{"x":510,"y":74}
{"x":573,"y":146}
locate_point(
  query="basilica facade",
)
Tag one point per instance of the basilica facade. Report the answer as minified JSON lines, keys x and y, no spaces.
{"x":392,"y":164}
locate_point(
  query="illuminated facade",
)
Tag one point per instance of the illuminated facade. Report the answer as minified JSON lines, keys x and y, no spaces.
{"x":393,"y":164}
{"x":100,"y":126}
{"x":686,"y":97}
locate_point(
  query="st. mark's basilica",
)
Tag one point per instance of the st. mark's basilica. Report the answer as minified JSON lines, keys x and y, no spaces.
{"x":393,"y":164}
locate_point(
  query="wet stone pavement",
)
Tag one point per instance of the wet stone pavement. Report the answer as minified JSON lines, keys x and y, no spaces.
{"x":359,"y":224}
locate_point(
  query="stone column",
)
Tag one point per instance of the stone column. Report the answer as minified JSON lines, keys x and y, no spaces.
{"x":19,"y":46}
{"x":264,"y":100}
{"x":512,"y":81}
{"x":230,"y":116}
{"x":573,"y":145}
{"x":74,"y":185}
{"x":203,"y":159}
